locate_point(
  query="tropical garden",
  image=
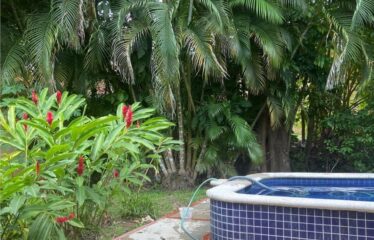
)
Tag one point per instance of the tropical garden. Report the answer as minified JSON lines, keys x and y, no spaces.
{"x":104,"y":99}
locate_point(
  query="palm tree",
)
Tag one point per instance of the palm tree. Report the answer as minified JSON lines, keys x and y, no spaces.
{"x":202,"y":35}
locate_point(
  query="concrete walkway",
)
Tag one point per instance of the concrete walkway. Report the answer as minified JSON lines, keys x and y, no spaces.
{"x":168,"y":227}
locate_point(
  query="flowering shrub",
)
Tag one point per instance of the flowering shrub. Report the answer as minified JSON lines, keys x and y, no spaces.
{"x":64,"y":167}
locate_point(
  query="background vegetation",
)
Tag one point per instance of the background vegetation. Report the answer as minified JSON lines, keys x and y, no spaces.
{"x":235,"y":76}
{"x":250,"y":85}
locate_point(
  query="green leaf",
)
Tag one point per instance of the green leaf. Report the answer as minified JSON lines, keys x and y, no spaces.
{"x":60,"y":205}
{"x":79,"y":180}
{"x":80,"y":195}
{"x":41,"y":227}
{"x":113,"y":135}
{"x":32,"y":191}
{"x":12,"y":117}
{"x":91,"y":194}
{"x":76,"y":223}
{"x":97,"y":147}
{"x":16,"y":203}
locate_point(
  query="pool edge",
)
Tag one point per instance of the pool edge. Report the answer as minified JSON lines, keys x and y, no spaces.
{"x":227,"y":192}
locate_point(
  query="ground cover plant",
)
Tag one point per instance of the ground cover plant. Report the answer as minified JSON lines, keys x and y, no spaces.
{"x":64,"y":167}
{"x":139,"y":208}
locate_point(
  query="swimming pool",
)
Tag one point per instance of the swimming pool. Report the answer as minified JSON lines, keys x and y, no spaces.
{"x":302,"y":206}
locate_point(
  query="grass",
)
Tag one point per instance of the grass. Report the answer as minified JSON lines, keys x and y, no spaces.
{"x":127,"y":214}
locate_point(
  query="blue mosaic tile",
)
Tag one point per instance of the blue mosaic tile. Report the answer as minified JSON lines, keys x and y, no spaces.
{"x":234,"y":221}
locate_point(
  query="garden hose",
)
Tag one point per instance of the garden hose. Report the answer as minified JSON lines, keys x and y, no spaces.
{"x":183,"y":214}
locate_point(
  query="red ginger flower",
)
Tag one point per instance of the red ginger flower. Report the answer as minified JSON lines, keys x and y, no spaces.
{"x":71,"y":216}
{"x":124,"y":111}
{"x":115,"y":173}
{"x":80,"y":167}
{"x":37,"y":168}
{"x":58,"y":97}
{"x":127,"y":115}
{"x":34,"y":97}
{"x":62,"y":219}
{"x":25,"y":117}
{"x":49,"y":118}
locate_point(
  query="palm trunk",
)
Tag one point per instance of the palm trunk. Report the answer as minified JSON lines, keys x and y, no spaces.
{"x":302,"y":127}
{"x":163,"y":168}
{"x":132,"y":92}
{"x":189,"y":152}
{"x":170,"y":159}
{"x":279,"y":149}
{"x":261,"y":128}
{"x":182,"y":170}
{"x":204,"y":148}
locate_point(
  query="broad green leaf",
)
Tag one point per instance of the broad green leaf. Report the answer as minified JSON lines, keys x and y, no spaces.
{"x":60,"y":205}
{"x":76,"y":223}
{"x":12,"y":117}
{"x":80,"y":195}
{"x":97,"y":147}
{"x":16,"y":203}
{"x":41,"y":227}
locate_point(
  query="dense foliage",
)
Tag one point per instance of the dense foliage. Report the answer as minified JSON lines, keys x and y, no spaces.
{"x":236,"y":76}
{"x":62,"y":168}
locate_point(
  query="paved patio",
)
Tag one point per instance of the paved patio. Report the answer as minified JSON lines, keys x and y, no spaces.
{"x":168,"y":227}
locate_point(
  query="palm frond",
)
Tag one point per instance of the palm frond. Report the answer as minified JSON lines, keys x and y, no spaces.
{"x":214,"y":109}
{"x":253,"y":72}
{"x":14,"y":63}
{"x":245,"y":138}
{"x":264,"y":9}
{"x":201,"y":52}
{"x":97,"y":53}
{"x":275,"y":110}
{"x":41,"y":35}
{"x":121,"y":59}
{"x":297,"y":4}
{"x":68,"y":16}
{"x":215,"y":8}
{"x":214,"y":131}
{"x":165,"y":53}
{"x":270,"y":40}
{"x":364,"y":13}
{"x":350,"y":46}
{"x":65,"y":67}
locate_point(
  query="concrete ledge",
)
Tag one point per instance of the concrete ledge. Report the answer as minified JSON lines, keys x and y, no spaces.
{"x":227,"y":192}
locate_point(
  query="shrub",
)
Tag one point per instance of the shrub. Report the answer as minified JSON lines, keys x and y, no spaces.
{"x":64,"y":167}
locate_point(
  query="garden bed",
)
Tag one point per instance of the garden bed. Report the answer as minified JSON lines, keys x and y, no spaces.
{"x":152,"y":203}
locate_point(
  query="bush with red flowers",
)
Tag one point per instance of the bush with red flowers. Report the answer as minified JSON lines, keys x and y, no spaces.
{"x":64,"y":170}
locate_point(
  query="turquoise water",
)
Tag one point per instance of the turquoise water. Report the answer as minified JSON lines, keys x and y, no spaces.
{"x":340,"y":189}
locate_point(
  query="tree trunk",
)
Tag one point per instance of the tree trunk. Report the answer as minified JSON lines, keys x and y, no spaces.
{"x":279,"y":147}
{"x":169,"y":159}
{"x":163,"y":168}
{"x":204,"y":148}
{"x":189,"y":152}
{"x":261,"y":128}
{"x":186,"y":75}
{"x":302,"y":127}
{"x":275,"y":144}
{"x":309,"y":141}
{"x":182,"y":170}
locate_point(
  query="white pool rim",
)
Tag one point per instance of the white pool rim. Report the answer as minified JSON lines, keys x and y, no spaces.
{"x":226,"y":191}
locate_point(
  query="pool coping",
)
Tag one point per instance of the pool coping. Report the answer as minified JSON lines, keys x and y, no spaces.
{"x":226,"y":191}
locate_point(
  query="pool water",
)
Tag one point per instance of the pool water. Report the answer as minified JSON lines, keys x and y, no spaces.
{"x":320,"y":188}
